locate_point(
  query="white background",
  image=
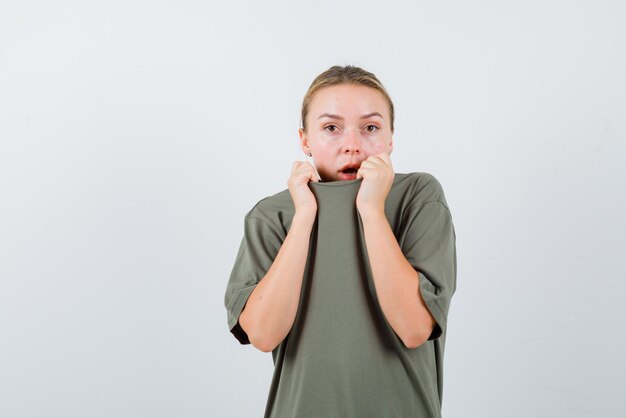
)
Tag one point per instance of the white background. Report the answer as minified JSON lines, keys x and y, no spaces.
{"x":136,"y":135}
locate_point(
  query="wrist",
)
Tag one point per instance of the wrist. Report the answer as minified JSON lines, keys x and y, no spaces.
{"x":304,"y":217}
{"x":372,"y":212}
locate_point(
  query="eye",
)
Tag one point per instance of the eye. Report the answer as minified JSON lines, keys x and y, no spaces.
{"x":374,"y":128}
{"x":328,"y":127}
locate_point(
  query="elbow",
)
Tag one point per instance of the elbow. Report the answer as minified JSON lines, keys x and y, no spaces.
{"x":414,"y":341}
{"x":264,"y":346}
{"x":416,"y":338}
{"x":263,"y":342}
{"x":259,"y":340}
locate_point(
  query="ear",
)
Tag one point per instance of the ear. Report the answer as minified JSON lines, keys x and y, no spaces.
{"x":304,"y":141}
{"x":390,"y":145}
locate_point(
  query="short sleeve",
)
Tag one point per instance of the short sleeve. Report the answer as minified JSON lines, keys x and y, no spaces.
{"x":257,"y":251}
{"x":430,"y":247}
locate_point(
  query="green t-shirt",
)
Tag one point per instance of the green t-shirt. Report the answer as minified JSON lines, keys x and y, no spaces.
{"x":342,"y":358}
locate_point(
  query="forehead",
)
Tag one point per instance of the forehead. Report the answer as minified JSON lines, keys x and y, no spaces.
{"x":348,"y":99}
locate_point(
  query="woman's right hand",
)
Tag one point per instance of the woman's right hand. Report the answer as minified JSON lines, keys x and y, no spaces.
{"x":303,"y":199}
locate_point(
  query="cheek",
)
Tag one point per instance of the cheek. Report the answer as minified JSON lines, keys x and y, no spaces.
{"x":326,"y":149}
{"x":323,"y":154}
{"x":376,"y":147}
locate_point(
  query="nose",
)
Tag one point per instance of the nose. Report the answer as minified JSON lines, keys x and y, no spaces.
{"x":352,"y":142}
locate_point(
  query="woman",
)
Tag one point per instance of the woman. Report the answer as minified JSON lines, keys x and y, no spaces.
{"x":347,"y":277}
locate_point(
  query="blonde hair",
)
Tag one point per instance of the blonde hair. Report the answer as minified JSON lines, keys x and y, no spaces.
{"x":348,"y":74}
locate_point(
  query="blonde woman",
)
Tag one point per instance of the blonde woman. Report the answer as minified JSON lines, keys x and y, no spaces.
{"x":346,"y":276}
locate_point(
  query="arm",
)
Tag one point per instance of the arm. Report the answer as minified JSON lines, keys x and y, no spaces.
{"x":271,"y":308}
{"x":395,"y":280}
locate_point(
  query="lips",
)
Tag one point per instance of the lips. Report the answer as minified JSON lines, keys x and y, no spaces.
{"x":351,"y":168}
{"x":348,"y":171}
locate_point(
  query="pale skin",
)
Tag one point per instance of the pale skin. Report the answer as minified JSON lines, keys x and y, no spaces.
{"x":346,"y":125}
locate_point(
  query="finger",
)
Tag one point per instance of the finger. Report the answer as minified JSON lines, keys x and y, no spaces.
{"x":381,"y":160}
{"x":384,"y":156}
{"x":364,"y":170}
{"x":308,"y":170}
{"x":312,"y":173}
{"x":300,"y":167}
{"x":305,"y":171}
{"x":297,"y":165}
{"x":370,"y":167}
{"x":374,"y":160}
{"x":373,"y":163}
{"x":315,"y":175}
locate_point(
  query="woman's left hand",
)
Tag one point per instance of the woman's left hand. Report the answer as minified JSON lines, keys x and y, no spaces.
{"x":377,"y":173}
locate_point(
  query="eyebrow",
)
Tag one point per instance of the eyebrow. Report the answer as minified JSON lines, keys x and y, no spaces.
{"x":369,"y":115}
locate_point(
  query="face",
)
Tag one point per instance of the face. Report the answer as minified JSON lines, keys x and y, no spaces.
{"x":346,"y":124}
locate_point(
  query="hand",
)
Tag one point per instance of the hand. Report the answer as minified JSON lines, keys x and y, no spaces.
{"x":303,"y":199}
{"x":377,"y":173}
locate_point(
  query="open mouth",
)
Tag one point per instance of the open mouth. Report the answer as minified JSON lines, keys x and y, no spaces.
{"x":348,"y":172}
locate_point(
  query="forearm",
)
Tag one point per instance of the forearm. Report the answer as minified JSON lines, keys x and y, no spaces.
{"x":271,"y":308}
{"x":396,"y":282}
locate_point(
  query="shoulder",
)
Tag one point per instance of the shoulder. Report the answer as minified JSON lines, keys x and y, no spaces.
{"x":276,"y":210}
{"x":418,"y":188}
